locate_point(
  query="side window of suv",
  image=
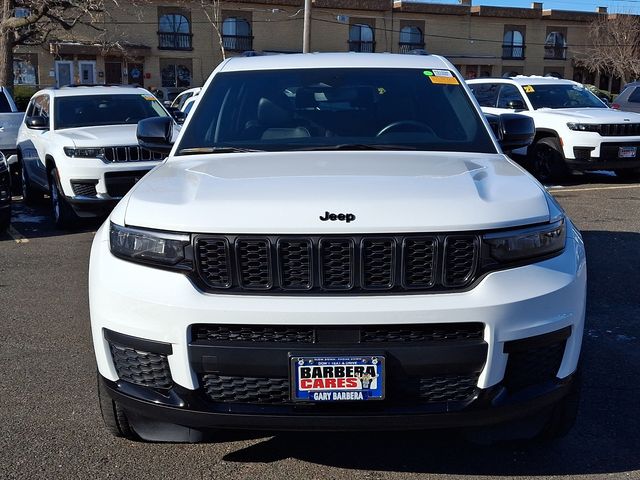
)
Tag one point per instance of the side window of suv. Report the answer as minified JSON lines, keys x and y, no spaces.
{"x":44,"y":106}
{"x":635,"y":95}
{"x":510,"y":97}
{"x":486,"y":93}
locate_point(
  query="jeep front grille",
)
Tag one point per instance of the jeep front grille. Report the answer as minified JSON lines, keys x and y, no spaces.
{"x":132,"y":153}
{"x":336,"y":264}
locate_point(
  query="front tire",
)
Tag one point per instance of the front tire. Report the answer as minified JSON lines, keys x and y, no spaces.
{"x":113,"y":415}
{"x":30,"y":194}
{"x":63,"y":214}
{"x":548,"y":163}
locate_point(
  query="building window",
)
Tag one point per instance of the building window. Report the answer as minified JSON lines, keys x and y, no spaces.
{"x":513,"y":45}
{"x":236,"y":34}
{"x":478,"y":71}
{"x":175,"y":73}
{"x":174,"y":31}
{"x":411,"y":38}
{"x":555,"y":46}
{"x":361,"y":38}
{"x":25,"y":69}
{"x":21,"y":12}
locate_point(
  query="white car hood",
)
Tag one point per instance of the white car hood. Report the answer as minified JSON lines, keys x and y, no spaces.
{"x":103,"y":136}
{"x":288,"y":192}
{"x":592,"y":115}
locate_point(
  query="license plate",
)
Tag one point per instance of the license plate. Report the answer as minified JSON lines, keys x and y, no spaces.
{"x":627,"y":152}
{"x":337,"y":378}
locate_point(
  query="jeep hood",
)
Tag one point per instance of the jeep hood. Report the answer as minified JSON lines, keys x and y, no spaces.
{"x":287,"y":192}
{"x":592,"y":115}
{"x":103,"y":136}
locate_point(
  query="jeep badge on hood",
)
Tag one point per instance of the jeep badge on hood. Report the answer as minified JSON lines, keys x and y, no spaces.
{"x":343,"y":217}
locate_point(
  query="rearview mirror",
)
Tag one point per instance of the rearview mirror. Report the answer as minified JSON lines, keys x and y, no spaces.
{"x":516,"y":105}
{"x":155,"y":134}
{"x":37,"y":123}
{"x":513,"y":131}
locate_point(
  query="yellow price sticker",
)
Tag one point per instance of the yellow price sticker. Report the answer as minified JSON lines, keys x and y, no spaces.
{"x":528,"y":89}
{"x":444,"y":80}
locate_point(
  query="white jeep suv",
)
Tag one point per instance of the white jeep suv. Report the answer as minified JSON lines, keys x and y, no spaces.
{"x":575,"y":130}
{"x":336,"y":241}
{"x":78,"y":144}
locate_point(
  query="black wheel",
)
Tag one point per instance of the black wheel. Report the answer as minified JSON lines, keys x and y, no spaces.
{"x":115,"y":418}
{"x":548,"y":162}
{"x":628,"y":173}
{"x":30,"y":194}
{"x":563,"y":415}
{"x":63,"y":214}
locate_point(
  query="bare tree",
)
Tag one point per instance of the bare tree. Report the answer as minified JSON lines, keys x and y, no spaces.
{"x":33,"y":22}
{"x":213,"y":11}
{"x":615,"y":47}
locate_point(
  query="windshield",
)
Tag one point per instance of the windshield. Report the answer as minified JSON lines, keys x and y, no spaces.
{"x":562,"y":96}
{"x":280,"y":110}
{"x":95,"y":110}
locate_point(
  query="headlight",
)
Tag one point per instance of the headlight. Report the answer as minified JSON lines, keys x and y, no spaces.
{"x":84,"y":152}
{"x":584,"y":127}
{"x":527,"y":243}
{"x":147,"y":246}
{"x":4,"y":165}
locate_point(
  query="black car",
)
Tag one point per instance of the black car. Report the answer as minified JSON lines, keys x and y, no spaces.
{"x":5,"y":194}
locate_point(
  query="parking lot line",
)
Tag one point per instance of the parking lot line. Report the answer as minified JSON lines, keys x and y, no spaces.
{"x":17,"y":236}
{"x":616,"y":187}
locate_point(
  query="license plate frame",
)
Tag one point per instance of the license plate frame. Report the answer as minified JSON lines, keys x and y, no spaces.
{"x":627,"y":152}
{"x":342,"y":388}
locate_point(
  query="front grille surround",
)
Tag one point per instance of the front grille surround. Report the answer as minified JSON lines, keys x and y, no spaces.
{"x":130,"y":153}
{"x":336,"y":264}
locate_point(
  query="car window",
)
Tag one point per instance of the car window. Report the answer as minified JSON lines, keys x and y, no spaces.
{"x":306,"y":108}
{"x":562,"y":95}
{"x":181,"y":99}
{"x":4,"y":103}
{"x":508,"y":94}
{"x":94,"y":110}
{"x":486,"y":93}
{"x":635,"y":95}
{"x":44,"y":106}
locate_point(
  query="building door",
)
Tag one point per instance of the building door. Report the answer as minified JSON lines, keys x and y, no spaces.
{"x":136,"y":74}
{"x":87,"y":72}
{"x":113,"y":72}
{"x":64,"y":73}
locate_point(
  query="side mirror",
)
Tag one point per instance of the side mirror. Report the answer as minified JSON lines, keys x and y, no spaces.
{"x":516,"y":105}
{"x":155,"y":134}
{"x":37,"y":123}
{"x":513,"y":131}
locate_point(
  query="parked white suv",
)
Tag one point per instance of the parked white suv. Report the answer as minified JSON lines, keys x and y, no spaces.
{"x":336,"y":241}
{"x":575,"y":130}
{"x":79,"y":145}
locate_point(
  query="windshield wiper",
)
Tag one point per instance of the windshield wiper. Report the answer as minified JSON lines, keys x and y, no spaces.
{"x":205,"y":150}
{"x":357,"y":146}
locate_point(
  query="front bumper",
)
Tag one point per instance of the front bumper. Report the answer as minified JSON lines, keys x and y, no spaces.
{"x":591,"y":151}
{"x":162,"y":308}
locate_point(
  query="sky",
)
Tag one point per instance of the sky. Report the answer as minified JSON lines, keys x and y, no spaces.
{"x":626,"y":6}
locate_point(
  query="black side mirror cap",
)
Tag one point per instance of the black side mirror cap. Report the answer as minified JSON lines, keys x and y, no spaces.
{"x":155,"y":134}
{"x":37,"y":123}
{"x":179,"y":116}
{"x":513,"y":131}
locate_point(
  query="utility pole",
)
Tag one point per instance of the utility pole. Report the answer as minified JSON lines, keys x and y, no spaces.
{"x":306,"y":35}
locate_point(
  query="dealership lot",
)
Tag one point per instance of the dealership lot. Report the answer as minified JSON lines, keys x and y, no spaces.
{"x":51,"y":426}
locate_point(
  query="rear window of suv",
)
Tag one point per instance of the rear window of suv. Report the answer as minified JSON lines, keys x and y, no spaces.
{"x":279,"y":110}
{"x":95,"y":110}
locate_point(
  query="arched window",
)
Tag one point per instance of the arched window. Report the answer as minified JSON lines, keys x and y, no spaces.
{"x":174,"y":31}
{"x":236,"y":34}
{"x":555,"y":46}
{"x":411,"y":38}
{"x":513,"y":45}
{"x":361,"y":38}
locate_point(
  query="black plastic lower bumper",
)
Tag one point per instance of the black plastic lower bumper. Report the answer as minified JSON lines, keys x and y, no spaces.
{"x":180,"y":406}
{"x":609,"y":158}
{"x":91,"y":207}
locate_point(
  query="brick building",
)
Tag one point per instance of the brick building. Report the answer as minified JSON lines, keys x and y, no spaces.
{"x":174,"y":44}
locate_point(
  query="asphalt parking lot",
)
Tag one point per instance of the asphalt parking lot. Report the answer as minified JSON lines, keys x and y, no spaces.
{"x":50,"y":425}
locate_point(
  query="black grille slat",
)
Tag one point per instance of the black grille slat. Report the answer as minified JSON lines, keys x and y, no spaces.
{"x":533,"y":366}
{"x":618,"y":129}
{"x":378,"y":262}
{"x":254,"y":263}
{"x":210,"y":334}
{"x":215,"y":264}
{"x":228,"y":389}
{"x":142,"y":368}
{"x":294,"y":261}
{"x":422,"y":333}
{"x":336,"y":264}
{"x":85,"y":189}
{"x":133,"y":153}
{"x":460,"y":260}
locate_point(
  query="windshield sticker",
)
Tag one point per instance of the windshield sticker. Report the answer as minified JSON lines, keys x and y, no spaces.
{"x":442,"y":73}
{"x":528,"y":89}
{"x":381,"y":91}
{"x":151,"y":98}
{"x":441,"y":77}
